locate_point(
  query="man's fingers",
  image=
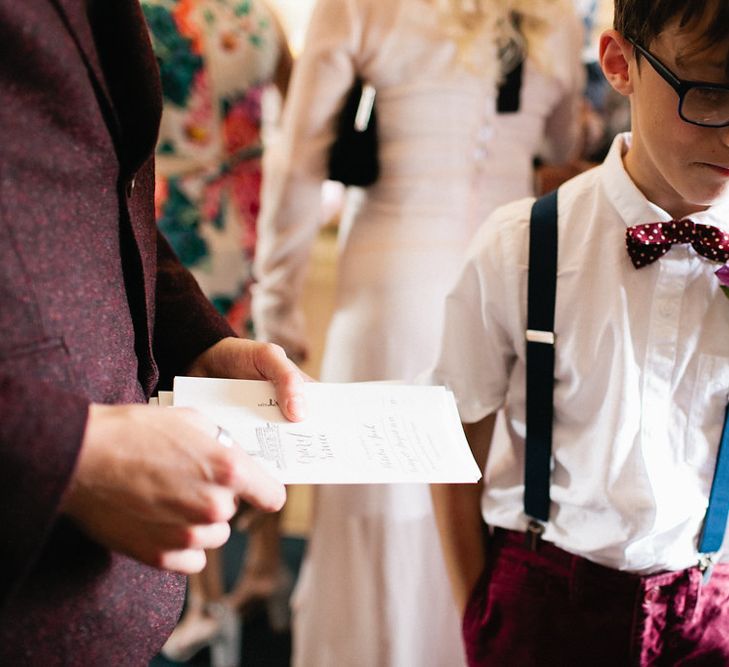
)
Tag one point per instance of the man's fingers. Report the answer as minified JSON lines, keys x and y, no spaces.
{"x":195,"y":419}
{"x":210,"y":536}
{"x":203,"y":536}
{"x":255,"y":486}
{"x":185,"y":561}
{"x":273,"y":364}
{"x":157,"y":486}
{"x":178,"y":548}
{"x":231,"y":469}
{"x":238,"y":358}
{"x":167,"y":546}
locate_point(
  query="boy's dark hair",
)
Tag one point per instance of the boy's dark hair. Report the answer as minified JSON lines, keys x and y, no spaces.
{"x":643,"y":20}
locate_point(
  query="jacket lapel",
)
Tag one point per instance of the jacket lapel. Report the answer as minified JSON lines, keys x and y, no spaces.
{"x":73,"y":13}
{"x":114,"y":45}
{"x":132,"y":76}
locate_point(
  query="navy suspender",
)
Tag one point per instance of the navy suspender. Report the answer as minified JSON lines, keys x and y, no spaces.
{"x":540,"y":360}
{"x":540,"y":389}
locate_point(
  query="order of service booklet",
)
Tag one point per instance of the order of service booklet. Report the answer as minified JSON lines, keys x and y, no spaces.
{"x":353,"y":433}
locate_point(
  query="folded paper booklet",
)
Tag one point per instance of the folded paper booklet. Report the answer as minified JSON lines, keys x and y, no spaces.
{"x":354,"y":433}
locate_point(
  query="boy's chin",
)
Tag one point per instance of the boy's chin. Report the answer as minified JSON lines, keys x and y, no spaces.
{"x":706,"y":194}
{"x":720,"y":194}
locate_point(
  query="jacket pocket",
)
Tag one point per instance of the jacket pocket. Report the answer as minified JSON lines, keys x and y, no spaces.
{"x":46,"y":360}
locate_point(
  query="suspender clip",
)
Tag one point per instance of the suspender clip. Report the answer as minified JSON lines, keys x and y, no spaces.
{"x":706,"y":567}
{"x":533,"y":534}
{"x":535,"y":336}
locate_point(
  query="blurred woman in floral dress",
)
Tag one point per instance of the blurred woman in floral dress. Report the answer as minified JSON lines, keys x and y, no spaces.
{"x":219,"y":60}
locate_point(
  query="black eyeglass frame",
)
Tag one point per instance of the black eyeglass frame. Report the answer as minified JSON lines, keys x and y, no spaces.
{"x":681,"y":86}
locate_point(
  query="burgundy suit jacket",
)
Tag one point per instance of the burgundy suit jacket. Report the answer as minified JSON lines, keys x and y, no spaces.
{"x":94,"y":307}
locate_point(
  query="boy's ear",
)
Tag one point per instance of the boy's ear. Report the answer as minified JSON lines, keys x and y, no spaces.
{"x":615,"y":55}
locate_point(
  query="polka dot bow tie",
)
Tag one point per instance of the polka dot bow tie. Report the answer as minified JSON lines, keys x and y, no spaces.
{"x":646,"y":243}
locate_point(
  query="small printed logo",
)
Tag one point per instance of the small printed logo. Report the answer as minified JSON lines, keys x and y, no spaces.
{"x":271,"y":404}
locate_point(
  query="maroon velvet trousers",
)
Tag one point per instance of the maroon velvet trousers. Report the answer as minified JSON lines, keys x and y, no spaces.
{"x":548,"y":607}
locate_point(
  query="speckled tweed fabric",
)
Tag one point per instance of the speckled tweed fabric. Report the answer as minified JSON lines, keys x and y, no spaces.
{"x":79,"y":111}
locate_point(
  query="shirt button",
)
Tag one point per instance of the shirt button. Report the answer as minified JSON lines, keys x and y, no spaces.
{"x":130,"y":186}
{"x":666,"y":309}
{"x":485,"y":133}
{"x":479,"y":154}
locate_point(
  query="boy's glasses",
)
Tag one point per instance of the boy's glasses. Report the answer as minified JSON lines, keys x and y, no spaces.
{"x":699,"y":102}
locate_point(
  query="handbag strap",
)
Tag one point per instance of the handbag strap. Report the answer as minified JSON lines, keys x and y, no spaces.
{"x":509,"y":96}
{"x":542,"y":286}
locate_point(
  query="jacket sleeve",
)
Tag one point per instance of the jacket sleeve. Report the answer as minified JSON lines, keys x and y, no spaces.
{"x":42,"y":423}
{"x":41,"y":429}
{"x":186,"y":323}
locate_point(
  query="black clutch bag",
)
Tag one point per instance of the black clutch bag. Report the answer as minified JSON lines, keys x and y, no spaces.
{"x":353,"y":155}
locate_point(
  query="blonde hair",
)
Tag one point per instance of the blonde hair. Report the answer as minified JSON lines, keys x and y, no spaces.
{"x":486,"y":32}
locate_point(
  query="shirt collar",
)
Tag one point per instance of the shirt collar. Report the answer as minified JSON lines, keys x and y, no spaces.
{"x":632,"y":205}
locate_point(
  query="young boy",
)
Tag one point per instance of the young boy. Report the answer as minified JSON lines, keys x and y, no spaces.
{"x":641,"y":380}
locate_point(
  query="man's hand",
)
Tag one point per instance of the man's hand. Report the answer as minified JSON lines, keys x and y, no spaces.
{"x":155,"y":484}
{"x":246,"y":359}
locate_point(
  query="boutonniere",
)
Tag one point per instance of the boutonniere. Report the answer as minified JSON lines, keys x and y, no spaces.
{"x":723,"y":275}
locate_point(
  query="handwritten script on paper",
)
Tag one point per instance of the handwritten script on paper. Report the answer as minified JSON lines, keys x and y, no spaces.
{"x":355,"y":433}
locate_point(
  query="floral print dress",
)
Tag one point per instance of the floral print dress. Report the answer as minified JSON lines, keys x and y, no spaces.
{"x":216,"y":58}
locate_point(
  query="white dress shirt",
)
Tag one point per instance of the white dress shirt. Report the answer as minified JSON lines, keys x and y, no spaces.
{"x":642,"y":373}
